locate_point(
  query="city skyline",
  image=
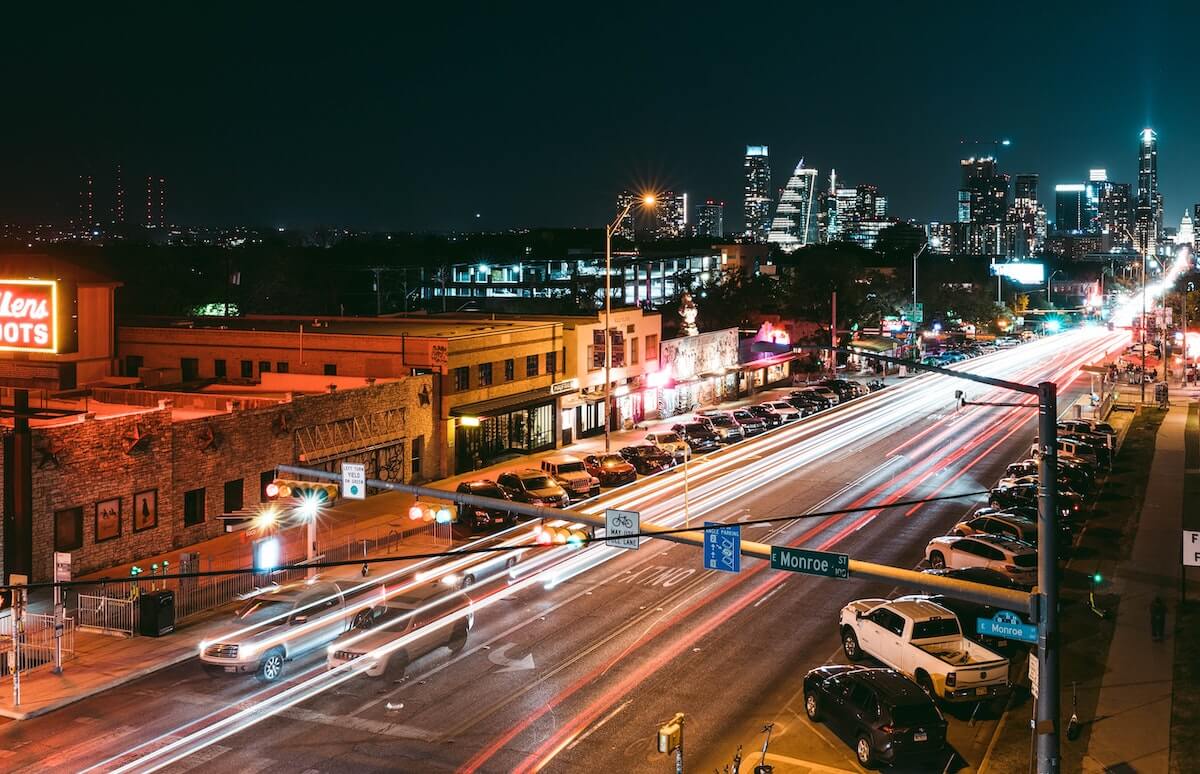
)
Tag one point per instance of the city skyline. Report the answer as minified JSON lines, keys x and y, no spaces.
{"x":358,"y":137}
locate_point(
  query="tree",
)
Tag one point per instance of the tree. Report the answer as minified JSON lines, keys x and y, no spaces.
{"x":899,"y":242}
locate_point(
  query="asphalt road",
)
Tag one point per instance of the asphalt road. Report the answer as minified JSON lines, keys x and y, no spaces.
{"x":574,"y":667}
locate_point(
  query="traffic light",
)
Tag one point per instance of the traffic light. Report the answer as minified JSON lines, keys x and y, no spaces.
{"x":302,"y":490}
{"x":135,"y":571}
{"x":1097,"y":578}
{"x":576,"y":537}
{"x":442,"y":514}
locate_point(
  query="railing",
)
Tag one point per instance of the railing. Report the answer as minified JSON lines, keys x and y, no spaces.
{"x":107,"y":615}
{"x":36,"y":642}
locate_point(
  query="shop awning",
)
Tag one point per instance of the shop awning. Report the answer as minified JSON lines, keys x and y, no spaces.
{"x":767,"y":362}
{"x":504,"y":404}
{"x":876,"y":343}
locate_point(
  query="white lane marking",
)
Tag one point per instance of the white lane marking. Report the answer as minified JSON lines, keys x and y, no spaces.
{"x":597,"y":727}
{"x":770,"y":593}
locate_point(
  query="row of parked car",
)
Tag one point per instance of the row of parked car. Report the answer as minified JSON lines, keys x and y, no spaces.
{"x":891,"y":713}
{"x":563,"y":479}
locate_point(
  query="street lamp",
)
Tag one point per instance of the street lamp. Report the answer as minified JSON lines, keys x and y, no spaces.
{"x":917,"y":255}
{"x":648,"y":201}
{"x":1050,"y":303}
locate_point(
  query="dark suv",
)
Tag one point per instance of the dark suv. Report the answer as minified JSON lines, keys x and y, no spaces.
{"x":647,"y":458}
{"x":882,"y":714}
{"x":697,"y":436}
{"x":534,"y":487}
{"x":475,"y":516}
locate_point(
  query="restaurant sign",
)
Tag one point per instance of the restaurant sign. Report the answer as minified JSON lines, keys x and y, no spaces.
{"x":29,"y":315}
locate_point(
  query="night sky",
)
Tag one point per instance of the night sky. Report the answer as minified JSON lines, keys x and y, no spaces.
{"x":420,"y":117}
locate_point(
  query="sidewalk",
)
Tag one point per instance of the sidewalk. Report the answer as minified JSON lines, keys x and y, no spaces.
{"x":1131,"y":729}
{"x":102,"y":662}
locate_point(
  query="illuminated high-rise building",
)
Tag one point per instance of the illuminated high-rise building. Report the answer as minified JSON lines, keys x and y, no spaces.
{"x":982,"y":206}
{"x":1023,"y":235}
{"x":118,"y":210}
{"x":156,"y":202}
{"x":1116,"y":205}
{"x":710,"y":219}
{"x":757,"y":192}
{"x":1148,"y":213}
{"x":670,"y":215}
{"x":1069,"y":208}
{"x":87,"y":207}
{"x":795,"y":222}
{"x":626,"y":227}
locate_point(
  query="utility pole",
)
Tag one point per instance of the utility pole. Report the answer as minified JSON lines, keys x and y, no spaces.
{"x":1047,"y":708}
{"x":670,"y":740}
{"x":833,"y":340}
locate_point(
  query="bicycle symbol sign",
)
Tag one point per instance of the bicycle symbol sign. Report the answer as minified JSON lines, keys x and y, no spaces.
{"x":622,"y":523}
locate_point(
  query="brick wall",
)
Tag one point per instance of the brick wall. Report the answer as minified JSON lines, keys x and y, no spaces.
{"x":177,"y":456}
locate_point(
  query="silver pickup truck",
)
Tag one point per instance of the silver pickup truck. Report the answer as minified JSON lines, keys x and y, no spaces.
{"x":923,"y":640}
{"x":280,"y":623}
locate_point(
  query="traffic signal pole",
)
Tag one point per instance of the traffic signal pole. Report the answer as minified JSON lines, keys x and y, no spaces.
{"x":1047,"y":704}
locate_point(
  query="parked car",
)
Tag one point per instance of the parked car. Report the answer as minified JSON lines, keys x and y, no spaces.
{"x":533,"y":487}
{"x":647,"y":458}
{"x":823,"y":391}
{"x":845,"y":389}
{"x":807,"y":402}
{"x":786,"y":410}
{"x":1084,"y":427}
{"x":476,"y":516}
{"x":278,"y":624}
{"x":924,"y":641}
{"x":1082,"y":480}
{"x":823,"y":399}
{"x":984,"y":575}
{"x":610,"y":469}
{"x":1006,"y":342}
{"x":724,"y":425}
{"x":1070,"y":504}
{"x":699,"y":437}
{"x":1074,"y":449}
{"x":1064,"y":485}
{"x":768,"y":416}
{"x":881,"y":713}
{"x":1099,"y":445}
{"x":571,"y":474}
{"x":428,"y":617}
{"x":751,"y":423}
{"x":1013,"y":558}
{"x":671,"y":442}
{"x":1019,"y":527}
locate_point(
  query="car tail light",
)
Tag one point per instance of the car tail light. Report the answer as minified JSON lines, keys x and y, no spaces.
{"x":889,"y":728}
{"x":951,"y":679}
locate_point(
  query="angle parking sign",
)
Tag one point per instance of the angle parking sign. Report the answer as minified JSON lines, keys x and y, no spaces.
{"x":722,"y":547}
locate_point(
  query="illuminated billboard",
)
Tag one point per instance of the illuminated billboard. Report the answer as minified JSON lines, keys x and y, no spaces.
{"x":29,"y":319}
{"x":1021,"y":272}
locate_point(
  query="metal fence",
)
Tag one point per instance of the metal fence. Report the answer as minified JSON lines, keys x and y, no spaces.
{"x":106,"y":614}
{"x":36,"y":642}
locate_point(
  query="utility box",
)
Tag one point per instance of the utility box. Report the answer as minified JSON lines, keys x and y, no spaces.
{"x":156,"y":613}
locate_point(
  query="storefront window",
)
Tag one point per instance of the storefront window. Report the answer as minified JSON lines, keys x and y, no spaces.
{"x":522,"y":430}
{"x":485,"y":374}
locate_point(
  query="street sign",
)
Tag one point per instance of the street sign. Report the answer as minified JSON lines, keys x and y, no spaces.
{"x":824,"y":563}
{"x":1008,"y":625}
{"x":618,"y":523}
{"x":567,"y":385}
{"x":1191,"y":548}
{"x":62,"y":567}
{"x":354,"y":480}
{"x":913,"y":312}
{"x":1033,"y":674}
{"x":722,"y":547}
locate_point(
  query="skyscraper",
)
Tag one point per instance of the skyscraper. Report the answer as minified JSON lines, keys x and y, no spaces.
{"x":1116,"y":202}
{"x":1023,"y":234}
{"x":758,"y":192}
{"x":670,"y":214}
{"x":710,"y":219}
{"x":87,"y":207}
{"x":982,"y":205}
{"x":1069,"y":207}
{"x":626,"y":227}
{"x":795,"y":222}
{"x":118,"y":211}
{"x":1148,"y":215}
{"x":156,"y":202}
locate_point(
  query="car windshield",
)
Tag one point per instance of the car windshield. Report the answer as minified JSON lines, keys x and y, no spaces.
{"x":935,"y":628}
{"x":908,"y":715}
{"x":612,"y":460}
{"x":695,"y":428}
{"x":261,"y":609}
{"x":537,"y":482}
{"x":1025,"y":560}
{"x":780,"y":405}
{"x":571,"y":467}
{"x":722,"y":421}
{"x":486,"y":490}
{"x":667,"y":438}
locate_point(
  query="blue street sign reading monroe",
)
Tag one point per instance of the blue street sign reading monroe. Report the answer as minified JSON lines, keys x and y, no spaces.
{"x":722,"y":547}
{"x":824,"y":563}
{"x":1008,"y":625}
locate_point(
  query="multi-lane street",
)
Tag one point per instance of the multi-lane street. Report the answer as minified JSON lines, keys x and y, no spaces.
{"x":575,"y":663}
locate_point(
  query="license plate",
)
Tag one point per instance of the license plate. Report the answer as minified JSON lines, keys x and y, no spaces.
{"x":981,"y":691}
{"x":230,"y":669}
{"x":920,"y":736}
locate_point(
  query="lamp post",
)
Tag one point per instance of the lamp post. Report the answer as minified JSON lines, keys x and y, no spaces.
{"x":1049,"y":302}
{"x":647,"y":200}
{"x":917,"y":255}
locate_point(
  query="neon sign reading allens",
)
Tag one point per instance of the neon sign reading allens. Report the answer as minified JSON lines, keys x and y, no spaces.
{"x":28,"y":315}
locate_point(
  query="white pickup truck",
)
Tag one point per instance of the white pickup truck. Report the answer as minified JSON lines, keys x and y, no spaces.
{"x":280,"y":623}
{"x":923,"y":640}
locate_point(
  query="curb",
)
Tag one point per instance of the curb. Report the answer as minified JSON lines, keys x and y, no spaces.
{"x":96,"y":689}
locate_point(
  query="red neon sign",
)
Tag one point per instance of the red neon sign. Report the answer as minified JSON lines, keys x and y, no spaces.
{"x":29,"y":315}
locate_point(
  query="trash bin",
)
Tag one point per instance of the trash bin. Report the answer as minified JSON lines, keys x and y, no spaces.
{"x":156,"y":613}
